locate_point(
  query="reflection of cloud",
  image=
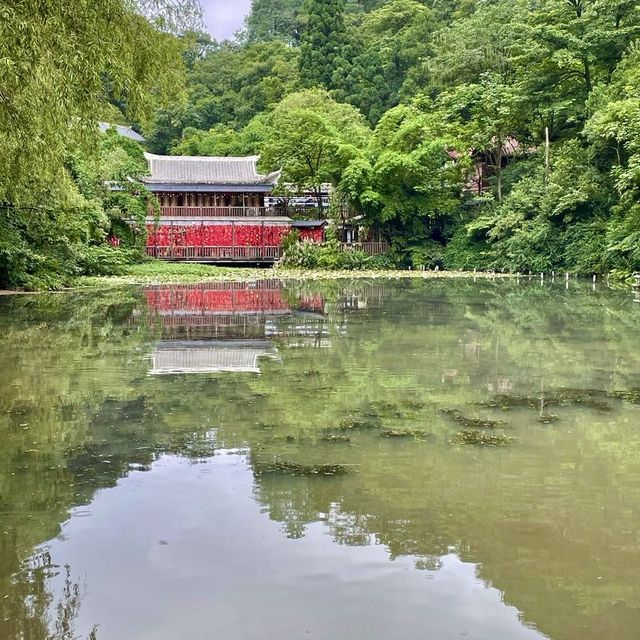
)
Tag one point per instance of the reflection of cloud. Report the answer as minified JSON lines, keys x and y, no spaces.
{"x":224,"y":17}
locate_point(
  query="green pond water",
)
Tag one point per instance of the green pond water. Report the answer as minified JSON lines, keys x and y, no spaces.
{"x":438,"y":459}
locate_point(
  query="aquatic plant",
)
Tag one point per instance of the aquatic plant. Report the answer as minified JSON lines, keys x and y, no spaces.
{"x":478,"y":438}
{"x":357,"y":423}
{"x":474,"y":423}
{"x":386,"y":409}
{"x":289,"y":439}
{"x":414,"y":405}
{"x":508,"y":401}
{"x":592,"y":403}
{"x":404,"y":433}
{"x":573,"y":393}
{"x":332,"y":438}
{"x":592,"y":398}
{"x":629,"y":395}
{"x":298,"y":469}
{"x":264,"y":426}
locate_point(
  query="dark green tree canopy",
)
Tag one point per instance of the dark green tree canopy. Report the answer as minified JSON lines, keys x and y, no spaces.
{"x":322,"y":41}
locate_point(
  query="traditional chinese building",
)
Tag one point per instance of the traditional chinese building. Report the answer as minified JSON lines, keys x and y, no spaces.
{"x":213,"y":210}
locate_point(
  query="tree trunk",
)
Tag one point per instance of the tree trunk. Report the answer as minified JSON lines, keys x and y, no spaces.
{"x":499,"y":169}
{"x":317,"y":190}
{"x":587,"y":75}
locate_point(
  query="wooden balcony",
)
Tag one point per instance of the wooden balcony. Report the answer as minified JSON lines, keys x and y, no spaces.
{"x":216,"y":254}
{"x":218,"y":212}
{"x":370,"y":248}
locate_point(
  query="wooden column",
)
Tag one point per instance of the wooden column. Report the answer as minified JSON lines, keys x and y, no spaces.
{"x":233,"y":238}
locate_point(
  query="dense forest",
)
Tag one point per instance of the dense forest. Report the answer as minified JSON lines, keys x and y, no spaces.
{"x":397,"y":103}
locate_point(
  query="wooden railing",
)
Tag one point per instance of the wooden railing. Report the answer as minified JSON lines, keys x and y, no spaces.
{"x":219,"y":254}
{"x":218,"y":212}
{"x":371,"y":248}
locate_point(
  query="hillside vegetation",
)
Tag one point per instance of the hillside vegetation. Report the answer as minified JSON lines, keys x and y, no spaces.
{"x":393,"y":102}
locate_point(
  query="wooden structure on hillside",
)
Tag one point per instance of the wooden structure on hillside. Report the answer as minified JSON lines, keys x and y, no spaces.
{"x":221,"y":210}
{"x":213,"y":210}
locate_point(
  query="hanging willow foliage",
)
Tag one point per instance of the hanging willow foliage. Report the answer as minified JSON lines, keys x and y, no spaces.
{"x":65,"y":66}
{"x":61,"y":64}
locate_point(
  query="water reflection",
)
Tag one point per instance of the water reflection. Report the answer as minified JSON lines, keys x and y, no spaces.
{"x":158,"y":483}
{"x":228,"y":327}
{"x":208,"y":562}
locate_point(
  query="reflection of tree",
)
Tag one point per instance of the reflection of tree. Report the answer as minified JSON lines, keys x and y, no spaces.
{"x":28,"y":612}
{"x":537,"y":528}
{"x":73,"y":419}
{"x":82,"y":410}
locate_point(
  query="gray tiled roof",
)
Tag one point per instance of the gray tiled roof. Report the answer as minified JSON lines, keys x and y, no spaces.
{"x":127,"y":132}
{"x":304,"y":224}
{"x":206,"y":170}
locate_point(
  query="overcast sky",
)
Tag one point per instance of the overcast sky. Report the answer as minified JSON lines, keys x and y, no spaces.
{"x":224,"y":17}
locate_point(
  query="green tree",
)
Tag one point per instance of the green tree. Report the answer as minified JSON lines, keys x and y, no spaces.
{"x":228,"y":87}
{"x":322,"y":41}
{"x":362,"y":81}
{"x":273,"y":19}
{"x":400,"y":31}
{"x":64,"y":64}
{"x":490,"y":119}
{"x":552,"y":222}
{"x":174,"y":16}
{"x":614,"y":129}
{"x":407,"y":184}
{"x":313,"y":138}
{"x":383,"y":57}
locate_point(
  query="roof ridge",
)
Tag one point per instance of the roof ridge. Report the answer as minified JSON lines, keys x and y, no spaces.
{"x":155,"y":156}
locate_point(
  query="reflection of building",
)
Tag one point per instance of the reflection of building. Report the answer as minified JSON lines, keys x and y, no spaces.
{"x":209,"y":357}
{"x":228,"y":327}
{"x":367,"y":296}
{"x":301,"y":329}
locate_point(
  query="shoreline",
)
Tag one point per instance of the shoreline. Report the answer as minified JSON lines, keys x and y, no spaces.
{"x":18,"y":292}
{"x":257,"y":275}
{"x":188,"y":273}
{"x":239,"y":274}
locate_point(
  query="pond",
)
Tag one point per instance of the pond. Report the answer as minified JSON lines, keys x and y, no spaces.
{"x":334,"y":460}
